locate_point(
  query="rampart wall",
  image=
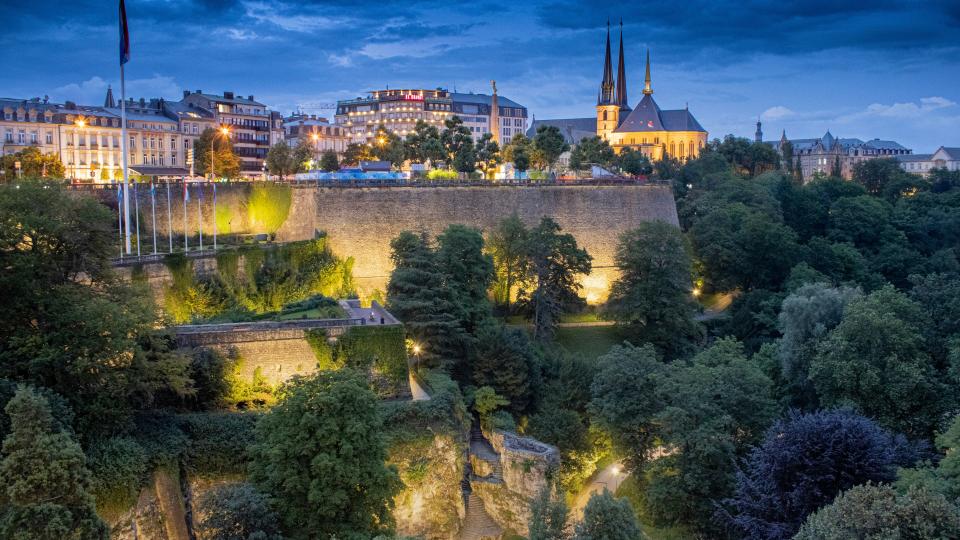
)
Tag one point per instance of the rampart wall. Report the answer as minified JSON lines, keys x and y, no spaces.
{"x":361,"y":221}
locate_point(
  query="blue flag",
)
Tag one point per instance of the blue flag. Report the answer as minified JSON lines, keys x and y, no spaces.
{"x":124,"y":35}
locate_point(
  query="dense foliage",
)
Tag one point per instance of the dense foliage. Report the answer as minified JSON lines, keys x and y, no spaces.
{"x":237,"y":511}
{"x":804,"y":462}
{"x":607,"y":518}
{"x":320,"y":455}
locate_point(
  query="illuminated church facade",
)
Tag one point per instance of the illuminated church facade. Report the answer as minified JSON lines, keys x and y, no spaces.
{"x":656,"y":132}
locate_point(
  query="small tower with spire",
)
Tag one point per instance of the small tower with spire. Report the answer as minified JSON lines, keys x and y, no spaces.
{"x":758,"y":136}
{"x":108,"y":101}
{"x":608,"y":105}
{"x":647,"y":90}
{"x":622,"y":99}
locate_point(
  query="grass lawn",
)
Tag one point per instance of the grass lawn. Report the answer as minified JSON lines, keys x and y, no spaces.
{"x":589,"y":341}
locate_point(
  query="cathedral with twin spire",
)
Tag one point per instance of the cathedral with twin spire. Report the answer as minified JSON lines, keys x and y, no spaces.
{"x":646,"y":128}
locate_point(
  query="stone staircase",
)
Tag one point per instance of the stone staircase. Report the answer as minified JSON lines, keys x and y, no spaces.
{"x":478,"y":525}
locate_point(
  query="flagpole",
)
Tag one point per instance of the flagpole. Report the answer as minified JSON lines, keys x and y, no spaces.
{"x":120,"y":220}
{"x":169,"y":218}
{"x":136,"y":211}
{"x":153,"y":205}
{"x":123,"y":150}
{"x":199,"y":214}
{"x":185,"y":195}
{"x":214,"y":216}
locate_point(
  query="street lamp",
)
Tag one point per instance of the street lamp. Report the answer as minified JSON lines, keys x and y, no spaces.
{"x":416,"y":353}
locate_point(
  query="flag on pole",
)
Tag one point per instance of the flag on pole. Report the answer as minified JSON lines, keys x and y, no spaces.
{"x":124,"y":35}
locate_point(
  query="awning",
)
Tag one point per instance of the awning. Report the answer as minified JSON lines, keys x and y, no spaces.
{"x":159,"y":171}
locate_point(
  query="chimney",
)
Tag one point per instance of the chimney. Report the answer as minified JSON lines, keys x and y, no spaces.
{"x":186,"y":93}
{"x":227,"y":95}
{"x":251,"y":97}
{"x":199,"y":91}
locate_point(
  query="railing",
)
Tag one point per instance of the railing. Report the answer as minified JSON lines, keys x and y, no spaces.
{"x":612,"y":181}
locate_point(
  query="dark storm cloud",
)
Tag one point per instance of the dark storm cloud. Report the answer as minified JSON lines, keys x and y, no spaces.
{"x":868,"y":66}
{"x":770,"y":27}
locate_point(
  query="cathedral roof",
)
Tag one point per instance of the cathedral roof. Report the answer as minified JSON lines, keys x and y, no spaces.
{"x":647,"y":116}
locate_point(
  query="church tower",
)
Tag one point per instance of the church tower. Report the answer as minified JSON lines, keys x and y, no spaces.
{"x":622,"y":99}
{"x":608,"y":107}
{"x":758,"y":136}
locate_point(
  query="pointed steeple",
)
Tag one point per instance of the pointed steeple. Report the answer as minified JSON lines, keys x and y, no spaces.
{"x":109,"y":102}
{"x":646,"y":79}
{"x":607,"y":86}
{"x":758,"y":136}
{"x":622,"y":76}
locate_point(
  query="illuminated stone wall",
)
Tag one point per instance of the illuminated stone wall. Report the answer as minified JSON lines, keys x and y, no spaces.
{"x":361,"y":222}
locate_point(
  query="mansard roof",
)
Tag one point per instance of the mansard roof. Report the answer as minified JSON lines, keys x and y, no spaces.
{"x":647,"y":116}
{"x":572,"y":129}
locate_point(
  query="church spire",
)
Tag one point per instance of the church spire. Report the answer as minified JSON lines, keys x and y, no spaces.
{"x":607,"y":89}
{"x":622,"y":76}
{"x":758,"y":136}
{"x":108,"y":101}
{"x":646,"y":80}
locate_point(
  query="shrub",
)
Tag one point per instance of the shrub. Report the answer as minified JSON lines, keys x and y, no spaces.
{"x":119,"y":468}
{"x":237,"y":511}
{"x":441,"y":174}
{"x":218,"y":442}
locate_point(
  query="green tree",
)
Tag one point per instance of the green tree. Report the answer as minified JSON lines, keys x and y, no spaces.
{"x":468,"y":271}
{"x":555,"y":262}
{"x":876,"y":174}
{"x":320,"y":453}
{"x":457,"y":140}
{"x":226,"y":164}
{"x":388,"y":146}
{"x":508,"y":245}
{"x":328,"y":161}
{"x":549,"y":143}
{"x":33,"y":164}
{"x":69,"y":323}
{"x":357,"y":152}
{"x":746,"y":248}
{"x":634,"y":163}
{"x":878,"y":512}
{"x":301,"y":156}
{"x":423,"y":144}
{"x":507,"y":362}
{"x":45,"y":480}
{"x":280,"y":160}
{"x":486,"y":401}
{"x":876,"y":361}
{"x":237,"y":511}
{"x":667,"y":168}
{"x":488,"y":153}
{"x":806,"y":316}
{"x":607,"y":518}
{"x":519,"y":152}
{"x":592,"y":151}
{"x":418,"y":295}
{"x":548,"y":517}
{"x":944,"y":477}
{"x":651,"y":299}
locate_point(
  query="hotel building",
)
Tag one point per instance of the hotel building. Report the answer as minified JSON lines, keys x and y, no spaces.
{"x":319,"y":133}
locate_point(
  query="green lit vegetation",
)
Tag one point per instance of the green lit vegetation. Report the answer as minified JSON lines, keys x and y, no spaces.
{"x":268,"y":206}
{"x":377,"y":349}
{"x":288,"y":281}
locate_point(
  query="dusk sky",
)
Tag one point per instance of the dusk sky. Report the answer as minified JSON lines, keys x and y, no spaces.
{"x":860,"y":69}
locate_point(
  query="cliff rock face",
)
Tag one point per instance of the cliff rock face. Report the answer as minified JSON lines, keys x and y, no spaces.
{"x":523,"y":468}
{"x":431,"y":503}
{"x":159,"y":513}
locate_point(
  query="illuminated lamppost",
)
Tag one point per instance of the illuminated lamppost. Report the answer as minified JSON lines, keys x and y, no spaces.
{"x":80,"y":122}
{"x":416,"y":354}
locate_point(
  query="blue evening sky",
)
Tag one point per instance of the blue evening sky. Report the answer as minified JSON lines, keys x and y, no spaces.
{"x":860,"y":69}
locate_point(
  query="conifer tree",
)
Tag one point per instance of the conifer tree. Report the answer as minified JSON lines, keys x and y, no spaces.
{"x":44,"y":479}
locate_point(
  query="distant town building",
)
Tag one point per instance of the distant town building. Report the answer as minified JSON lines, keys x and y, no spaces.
{"x":317,"y":131}
{"x":192,"y":122}
{"x":398,"y":110}
{"x":922,"y":164}
{"x":29,"y":123}
{"x":824,"y":154}
{"x":647,"y":128}
{"x":253,"y":128}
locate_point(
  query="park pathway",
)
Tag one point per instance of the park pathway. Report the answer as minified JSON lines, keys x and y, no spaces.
{"x":477,"y":524}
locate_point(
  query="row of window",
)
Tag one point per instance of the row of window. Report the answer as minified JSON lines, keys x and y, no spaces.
{"x":147,"y":159}
{"x":22,"y":137}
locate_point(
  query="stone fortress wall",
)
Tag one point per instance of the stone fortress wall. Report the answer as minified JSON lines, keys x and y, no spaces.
{"x":361,"y":221}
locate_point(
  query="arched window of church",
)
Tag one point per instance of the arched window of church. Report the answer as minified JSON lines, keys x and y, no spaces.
{"x":604,"y":115}
{"x":673,"y":149}
{"x":656,"y":140}
{"x":691,"y":148}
